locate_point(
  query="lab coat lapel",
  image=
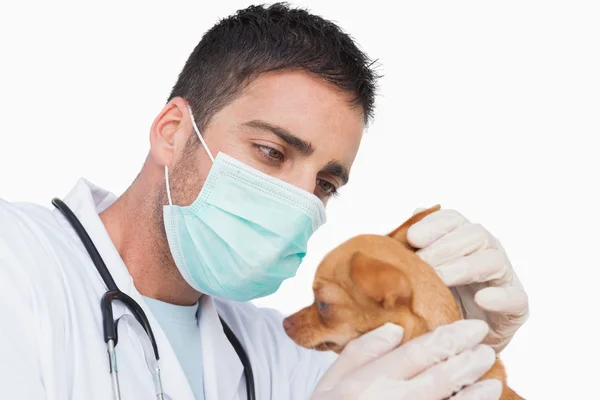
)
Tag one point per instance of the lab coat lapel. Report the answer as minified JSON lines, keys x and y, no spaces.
{"x":87,"y":201}
{"x":222,"y":367}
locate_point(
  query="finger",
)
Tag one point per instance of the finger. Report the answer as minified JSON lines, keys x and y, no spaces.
{"x":479,"y":267}
{"x":512,"y":301}
{"x":420,"y":353}
{"x":389,"y":389}
{"x":433,"y":227}
{"x":450,"y":376}
{"x":498,"y":341}
{"x":444,"y":342}
{"x":462,"y":241}
{"x":361,"y":351}
{"x":466,"y":295}
{"x":489,"y":389}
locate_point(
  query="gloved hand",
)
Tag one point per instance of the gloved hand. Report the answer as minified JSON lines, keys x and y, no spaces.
{"x":430,"y":367}
{"x":474,"y":264}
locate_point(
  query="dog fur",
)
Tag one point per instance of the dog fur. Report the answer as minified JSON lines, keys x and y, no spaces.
{"x":373,"y":279}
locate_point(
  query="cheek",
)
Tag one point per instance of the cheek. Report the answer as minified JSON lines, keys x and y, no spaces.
{"x":187,"y":178}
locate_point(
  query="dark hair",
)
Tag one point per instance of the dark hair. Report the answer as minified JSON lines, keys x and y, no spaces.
{"x":260,"y":39}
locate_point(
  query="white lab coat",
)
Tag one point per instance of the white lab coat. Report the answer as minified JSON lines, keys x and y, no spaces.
{"x":51,"y":343}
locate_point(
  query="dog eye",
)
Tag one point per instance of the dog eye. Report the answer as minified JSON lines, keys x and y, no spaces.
{"x":322,"y":306}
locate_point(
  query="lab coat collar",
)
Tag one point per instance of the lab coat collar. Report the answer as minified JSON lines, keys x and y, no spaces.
{"x":222,"y":368}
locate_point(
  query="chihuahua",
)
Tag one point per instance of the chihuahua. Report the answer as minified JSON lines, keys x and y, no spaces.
{"x":370,"y":280}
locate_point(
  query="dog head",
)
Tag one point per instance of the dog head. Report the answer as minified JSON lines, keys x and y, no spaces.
{"x":366,"y":282}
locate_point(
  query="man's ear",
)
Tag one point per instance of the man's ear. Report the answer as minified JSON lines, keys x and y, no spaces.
{"x":399,"y":233}
{"x":379,"y":280}
{"x":168,"y":133}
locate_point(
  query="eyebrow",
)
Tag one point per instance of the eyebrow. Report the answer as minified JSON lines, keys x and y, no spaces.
{"x":333,"y":168}
{"x":304,"y":147}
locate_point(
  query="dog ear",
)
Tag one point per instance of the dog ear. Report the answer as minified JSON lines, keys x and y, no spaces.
{"x":379,"y":280}
{"x":399,"y":233}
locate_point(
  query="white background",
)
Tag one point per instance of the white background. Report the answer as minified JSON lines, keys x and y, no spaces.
{"x":491,"y":108}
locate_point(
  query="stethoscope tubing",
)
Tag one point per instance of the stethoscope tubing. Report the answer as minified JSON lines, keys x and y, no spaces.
{"x":109,"y":326}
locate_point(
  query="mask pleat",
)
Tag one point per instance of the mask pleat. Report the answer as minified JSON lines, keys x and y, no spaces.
{"x":244,"y":234}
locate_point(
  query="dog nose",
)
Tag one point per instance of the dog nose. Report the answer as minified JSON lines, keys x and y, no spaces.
{"x":288,"y":324}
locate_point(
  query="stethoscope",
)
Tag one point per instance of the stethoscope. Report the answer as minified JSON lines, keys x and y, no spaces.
{"x":109,"y":325}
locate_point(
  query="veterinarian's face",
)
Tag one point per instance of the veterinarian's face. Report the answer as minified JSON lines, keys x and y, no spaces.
{"x":288,"y":124}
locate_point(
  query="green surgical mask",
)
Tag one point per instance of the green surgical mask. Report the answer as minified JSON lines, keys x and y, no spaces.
{"x":245,"y":233}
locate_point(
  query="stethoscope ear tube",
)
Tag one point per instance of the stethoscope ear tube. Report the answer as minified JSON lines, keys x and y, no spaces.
{"x":239,"y":349}
{"x":108,"y":325}
{"x":87,"y":243}
{"x":110,"y":328}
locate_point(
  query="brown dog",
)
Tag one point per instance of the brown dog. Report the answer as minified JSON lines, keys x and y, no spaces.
{"x":370,"y":280}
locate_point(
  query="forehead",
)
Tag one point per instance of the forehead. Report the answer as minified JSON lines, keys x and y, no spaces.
{"x":307,"y":106}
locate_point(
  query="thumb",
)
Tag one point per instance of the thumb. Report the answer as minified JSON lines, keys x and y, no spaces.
{"x":360,"y":352}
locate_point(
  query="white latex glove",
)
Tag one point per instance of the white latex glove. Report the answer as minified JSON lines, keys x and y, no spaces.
{"x":474,"y":264}
{"x":430,"y":367}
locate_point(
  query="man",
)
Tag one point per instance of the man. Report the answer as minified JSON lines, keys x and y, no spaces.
{"x":260,"y":130}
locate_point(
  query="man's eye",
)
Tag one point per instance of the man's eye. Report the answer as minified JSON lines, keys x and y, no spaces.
{"x":271,"y":153}
{"x":326,"y":187}
{"x":322,"y":306}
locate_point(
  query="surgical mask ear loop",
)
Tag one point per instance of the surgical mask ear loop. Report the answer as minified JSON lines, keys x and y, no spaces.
{"x":167,"y":181}
{"x":199,"y":135}
{"x":212,"y":159}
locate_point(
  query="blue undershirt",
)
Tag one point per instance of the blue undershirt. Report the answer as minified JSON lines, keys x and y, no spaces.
{"x":180,"y":324}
